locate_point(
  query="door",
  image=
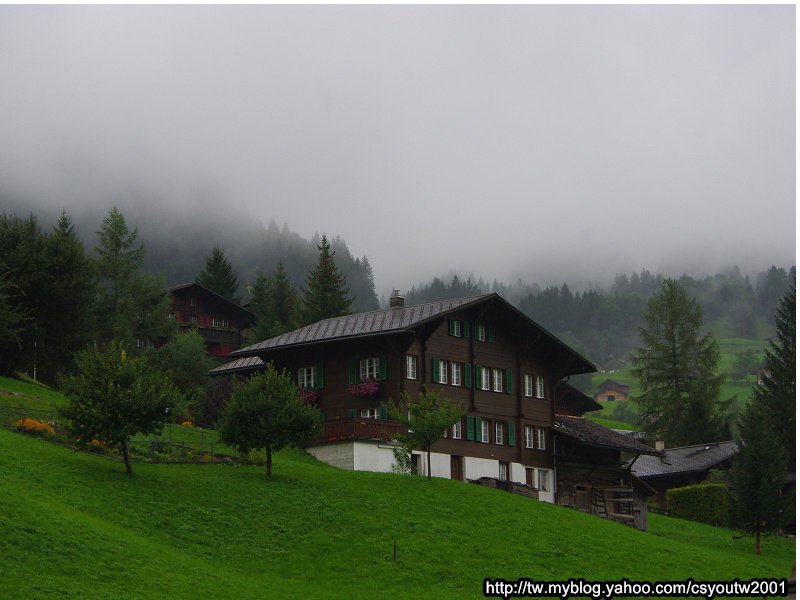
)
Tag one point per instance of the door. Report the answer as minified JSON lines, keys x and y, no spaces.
{"x":457,"y":468}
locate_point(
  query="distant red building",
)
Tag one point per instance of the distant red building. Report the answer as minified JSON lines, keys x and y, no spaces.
{"x":220,"y":322}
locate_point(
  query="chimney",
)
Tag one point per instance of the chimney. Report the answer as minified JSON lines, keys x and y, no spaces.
{"x":660,"y":445}
{"x":396,"y":300}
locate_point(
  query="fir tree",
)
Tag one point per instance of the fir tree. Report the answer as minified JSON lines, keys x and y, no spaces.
{"x":326,"y":293}
{"x":677,"y":369}
{"x":274,"y":303}
{"x":219,"y":276}
{"x":777,"y":390}
{"x":130,"y":305}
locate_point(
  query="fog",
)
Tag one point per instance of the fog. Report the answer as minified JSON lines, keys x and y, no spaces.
{"x":550,"y":143}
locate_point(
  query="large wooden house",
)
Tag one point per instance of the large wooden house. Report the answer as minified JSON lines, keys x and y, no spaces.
{"x":220,"y":322}
{"x":481,"y":352}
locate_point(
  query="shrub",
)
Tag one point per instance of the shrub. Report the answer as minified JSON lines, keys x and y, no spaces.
{"x":704,"y":503}
{"x":34,"y":426}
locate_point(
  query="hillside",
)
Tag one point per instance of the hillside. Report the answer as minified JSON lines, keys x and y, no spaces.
{"x":75,"y":526}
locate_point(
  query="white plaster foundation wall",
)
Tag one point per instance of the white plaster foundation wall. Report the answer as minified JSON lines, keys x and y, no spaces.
{"x":378,"y":458}
{"x":336,"y":455}
{"x":440,"y":464}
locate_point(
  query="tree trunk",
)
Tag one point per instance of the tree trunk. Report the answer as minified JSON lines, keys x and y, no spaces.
{"x":127,"y":458}
{"x":758,"y":542}
{"x":269,"y":462}
{"x":429,"y":463}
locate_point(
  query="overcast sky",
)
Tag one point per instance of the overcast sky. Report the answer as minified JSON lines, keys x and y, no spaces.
{"x":547,"y":142}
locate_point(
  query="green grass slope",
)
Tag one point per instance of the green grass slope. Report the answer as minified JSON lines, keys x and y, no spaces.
{"x":73,"y":525}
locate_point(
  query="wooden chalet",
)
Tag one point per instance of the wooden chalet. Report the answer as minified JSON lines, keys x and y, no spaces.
{"x":481,"y":352}
{"x":611,"y":390}
{"x":220,"y":322}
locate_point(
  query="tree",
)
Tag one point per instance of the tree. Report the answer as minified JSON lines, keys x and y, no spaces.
{"x":114,"y":397}
{"x":758,"y":474}
{"x":777,"y":390}
{"x":326,"y":292}
{"x":274,"y":302}
{"x":219,"y":276}
{"x":676,"y":366}
{"x":428,"y":417}
{"x":185,"y":359}
{"x":130,"y":305}
{"x":266,"y":413}
{"x":12,"y":315}
{"x":745,"y":363}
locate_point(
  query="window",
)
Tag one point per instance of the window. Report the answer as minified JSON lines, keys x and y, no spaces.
{"x":368,"y":368}
{"x":480,"y":333}
{"x":485,"y":374}
{"x":498,"y":432}
{"x":171,"y":316}
{"x":456,"y":327}
{"x":442,"y":371}
{"x":541,"y":441}
{"x":484,"y":431}
{"x":544,"y":480}
{"x":528,"y":436}
{"x":529,"y":476}
{"x":411,"y":366}
{"x":220,"y":322}
{"x":503,"y":474}
{"x":369,"y":413}
{"x":528,"y":385}
{"x":140,"y":343}
{"x":539,"y":386}
{"x":456,"y":373}
{"x":305,"y":377}
{"x":498,"y":380}
{"x":192,"y":301}
{"x":457,"y":431}
{"x":193,"y":319}
{"x":611,"y":397}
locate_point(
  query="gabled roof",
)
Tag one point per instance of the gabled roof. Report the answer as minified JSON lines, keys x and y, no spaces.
{"x":590,"y":433}
{"x":240,"y":365}
{"x":685,"y":460}
{"x":571,"y":399}
{"x":395,"y":320}
{"x":200,"y":288}
{"x":613,"y":383}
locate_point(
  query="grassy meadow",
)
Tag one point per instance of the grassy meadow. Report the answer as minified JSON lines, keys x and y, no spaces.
{"x":73,"y":525}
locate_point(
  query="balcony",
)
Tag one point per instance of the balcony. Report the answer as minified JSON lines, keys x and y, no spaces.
{"x":358,"y":428}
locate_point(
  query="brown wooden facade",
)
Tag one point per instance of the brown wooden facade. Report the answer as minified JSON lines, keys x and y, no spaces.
{"x":220,"y":322}
{"x":486,"y":333}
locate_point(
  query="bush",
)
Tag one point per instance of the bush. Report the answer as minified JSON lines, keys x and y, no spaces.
{"x":704,"y":503}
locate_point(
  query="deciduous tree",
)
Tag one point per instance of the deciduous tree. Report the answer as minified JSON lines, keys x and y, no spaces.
{"x":266,"y":413}
{"x":114,"y":397}
{"x":428,"y":417}
{"x":677,"y":370}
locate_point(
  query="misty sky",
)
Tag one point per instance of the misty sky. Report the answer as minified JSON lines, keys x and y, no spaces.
{"x":547,"y":142}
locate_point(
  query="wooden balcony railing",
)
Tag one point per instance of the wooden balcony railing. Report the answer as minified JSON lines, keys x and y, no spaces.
{"x":358,"y":428}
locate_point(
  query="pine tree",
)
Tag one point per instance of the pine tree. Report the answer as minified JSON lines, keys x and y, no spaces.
{"x":777,"y":392}
{"x":326,"y":294}
{"x":676,"y":366}
{"x":219,"y":276}
{"x":273,"y":300}
{"x":130,"y":304}
{"x":758,"y":474}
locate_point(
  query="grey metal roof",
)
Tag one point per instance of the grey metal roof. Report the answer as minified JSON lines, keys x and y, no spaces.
{"x":375,"y":322}
{"x":593,"y":434}
{"x":240,"y":365}
{"x":686,"y":459}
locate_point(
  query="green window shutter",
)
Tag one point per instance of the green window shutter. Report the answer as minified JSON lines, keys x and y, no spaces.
{"x":382,"y":368}
{"x":511,"y":433}
{"x":470,"y":428}
{"x":319,"y":377}
{"x":509,"y":382}
{"x":322,"y":416}
{"x":465,"y":327}
{"x":467,"y":375}
{"x":353,"y":412}
{"x":475,"y":332}
{"x":478,"y":377}
{"x":478,"y":429}
{"x":435,"y":370}
{"x":489,"y":334}
{"x":352,"y":371}
{"x":451,"y":326}
{"x":382,"y":413}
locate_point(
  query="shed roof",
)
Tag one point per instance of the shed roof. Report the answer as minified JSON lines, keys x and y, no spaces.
{"x":593,"y":434}
{"x":686,"y":459}
{"x":240,"y":365}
